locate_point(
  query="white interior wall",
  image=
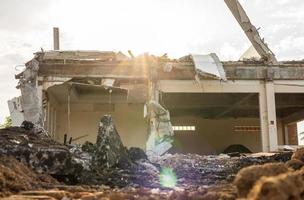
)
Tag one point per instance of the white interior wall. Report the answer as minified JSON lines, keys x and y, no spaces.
{"x":213,"y":136}
{"x":128,"y":118}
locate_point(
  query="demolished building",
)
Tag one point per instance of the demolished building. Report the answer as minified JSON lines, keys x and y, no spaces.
{"x":209,"y":104}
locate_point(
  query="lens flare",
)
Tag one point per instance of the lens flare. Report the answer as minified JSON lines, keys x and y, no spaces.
{"x":167,"y":178}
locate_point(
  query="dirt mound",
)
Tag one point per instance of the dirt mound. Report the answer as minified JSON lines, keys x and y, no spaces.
{"x":247,"y":177}
{"x":298,"y":154}
{"x":16,"y":177}
{"x":283,"y":187}
{"x":294,"y":164}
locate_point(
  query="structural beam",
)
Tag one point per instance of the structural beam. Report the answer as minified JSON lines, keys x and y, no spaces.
{"x":209,"y":86}
{"x":102,"y":70}
{"x":294,"y":117}
{"x":229,"y":109}
{"x":251,"y":31}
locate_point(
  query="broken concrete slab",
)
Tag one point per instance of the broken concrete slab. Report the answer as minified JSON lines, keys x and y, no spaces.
{"x":109,"y":149}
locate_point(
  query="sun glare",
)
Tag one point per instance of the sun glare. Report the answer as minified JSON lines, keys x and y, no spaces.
{"x":167,"y":178}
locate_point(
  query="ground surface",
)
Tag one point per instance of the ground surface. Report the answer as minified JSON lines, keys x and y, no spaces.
{"x":35,"y":167}
{"x":198,"y":177}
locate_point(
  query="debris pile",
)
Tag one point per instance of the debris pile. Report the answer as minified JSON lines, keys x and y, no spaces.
{"x":193,"y":170}
{"x":108,"y":169}
{"x":41,"y":153}
{"x":109,"y":162}
{"x":16,"y":177}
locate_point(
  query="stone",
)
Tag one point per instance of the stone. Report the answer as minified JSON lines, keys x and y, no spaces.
{"x":27,"y":125}
{"x":137,"y":154}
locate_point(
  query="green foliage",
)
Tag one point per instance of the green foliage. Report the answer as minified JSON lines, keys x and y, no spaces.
{"x":7,"y":122}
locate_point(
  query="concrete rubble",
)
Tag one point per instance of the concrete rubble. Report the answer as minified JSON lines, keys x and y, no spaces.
{"x":33,"y":166}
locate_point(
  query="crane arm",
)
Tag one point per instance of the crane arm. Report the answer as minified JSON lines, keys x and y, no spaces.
{"x":251,"y":31}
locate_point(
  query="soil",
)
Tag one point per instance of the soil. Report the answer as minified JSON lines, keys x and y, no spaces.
{"x":16,"y":177}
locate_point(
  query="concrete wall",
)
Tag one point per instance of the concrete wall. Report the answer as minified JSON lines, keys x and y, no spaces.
{"x":213,"y":136}
{"x":128,"y":118}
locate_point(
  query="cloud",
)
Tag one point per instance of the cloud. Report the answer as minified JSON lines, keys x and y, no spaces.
{"x":8,"y":88}
{"x":19,"y":15}
{"x":229,"y":51}
{"x":290,"y":48}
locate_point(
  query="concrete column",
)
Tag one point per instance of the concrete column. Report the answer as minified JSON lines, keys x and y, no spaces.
{"x":272,"y":117}
{"x":263,"y":120}
{"x":268,"y":118}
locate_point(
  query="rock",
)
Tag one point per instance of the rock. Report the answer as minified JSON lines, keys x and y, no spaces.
{"x":137,"y":154}
{"x":283,"y":187}
{"x":109,"y":148}
{"x":294,"y":164}
{"x":27,"y":125}
{"x":283,"y":156}
{"x":298,"y":154}
{"x":247,"y":177}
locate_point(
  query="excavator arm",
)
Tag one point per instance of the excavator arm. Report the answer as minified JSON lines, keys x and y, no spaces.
{"x":251,"y":31}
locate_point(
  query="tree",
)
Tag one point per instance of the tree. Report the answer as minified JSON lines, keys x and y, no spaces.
{"x":7,"y":122}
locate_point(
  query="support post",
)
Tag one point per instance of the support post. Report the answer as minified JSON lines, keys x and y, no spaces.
{"x":268,"y":118}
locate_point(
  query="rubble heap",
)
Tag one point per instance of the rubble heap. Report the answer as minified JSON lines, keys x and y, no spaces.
{"x":36,"y":150}
{"x":193,"y":170}
{"x":109,"y":162}
{"x":129,"y":173}
{"x":16,"y":177}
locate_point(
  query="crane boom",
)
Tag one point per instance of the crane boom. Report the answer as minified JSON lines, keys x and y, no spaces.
{"x":251,"y":31}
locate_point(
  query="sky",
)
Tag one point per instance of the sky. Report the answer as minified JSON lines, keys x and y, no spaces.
{"x":176,"y":27}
